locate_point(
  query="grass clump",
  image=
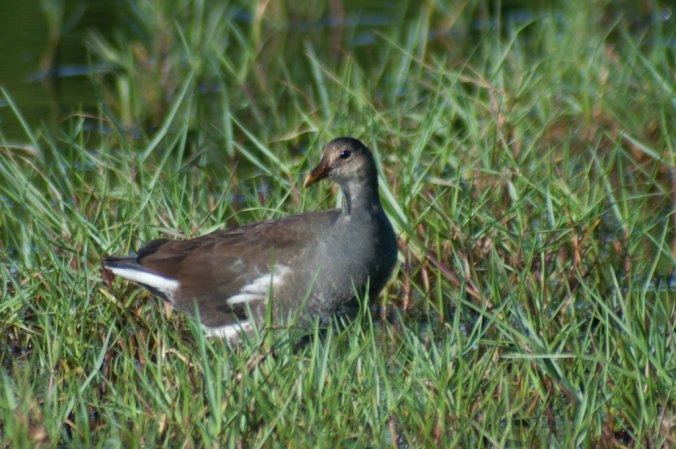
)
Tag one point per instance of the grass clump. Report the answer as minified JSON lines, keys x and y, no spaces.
{"x":527,"y":164}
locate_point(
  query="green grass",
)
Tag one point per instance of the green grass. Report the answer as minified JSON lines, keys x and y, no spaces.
{"x":527,"y":167}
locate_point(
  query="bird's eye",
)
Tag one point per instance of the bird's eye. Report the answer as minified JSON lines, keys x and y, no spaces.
{"x":345,"y":154}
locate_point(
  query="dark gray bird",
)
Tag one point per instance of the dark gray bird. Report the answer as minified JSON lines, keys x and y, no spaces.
{"x":298,"y":268}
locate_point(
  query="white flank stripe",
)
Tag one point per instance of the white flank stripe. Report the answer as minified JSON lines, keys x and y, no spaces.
{"x":160,"y":283}
{"x":260,"y":287}
{"x":228,"y":331}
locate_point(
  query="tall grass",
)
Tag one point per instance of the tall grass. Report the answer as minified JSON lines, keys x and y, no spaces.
{"x":527,"y":165}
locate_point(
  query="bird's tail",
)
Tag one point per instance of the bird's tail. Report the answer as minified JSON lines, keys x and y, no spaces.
{"x":130,"y":269}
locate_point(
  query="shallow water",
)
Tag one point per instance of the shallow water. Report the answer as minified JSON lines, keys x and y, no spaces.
{"x":46,"y":68}
{"x":43,"y":59}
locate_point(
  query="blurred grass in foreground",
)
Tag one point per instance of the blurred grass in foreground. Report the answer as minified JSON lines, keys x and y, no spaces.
{"x":528,"y":166}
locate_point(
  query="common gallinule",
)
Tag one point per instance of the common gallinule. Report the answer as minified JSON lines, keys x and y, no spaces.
{"x":301,"y":267}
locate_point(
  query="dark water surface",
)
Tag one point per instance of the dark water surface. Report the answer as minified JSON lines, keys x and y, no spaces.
{"x":44,"y":62}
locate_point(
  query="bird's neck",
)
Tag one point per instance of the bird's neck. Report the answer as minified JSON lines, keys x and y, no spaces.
{"x":360,"y":195}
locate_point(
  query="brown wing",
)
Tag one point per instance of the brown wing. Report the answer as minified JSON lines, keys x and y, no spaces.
{"x":216,"y":266}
